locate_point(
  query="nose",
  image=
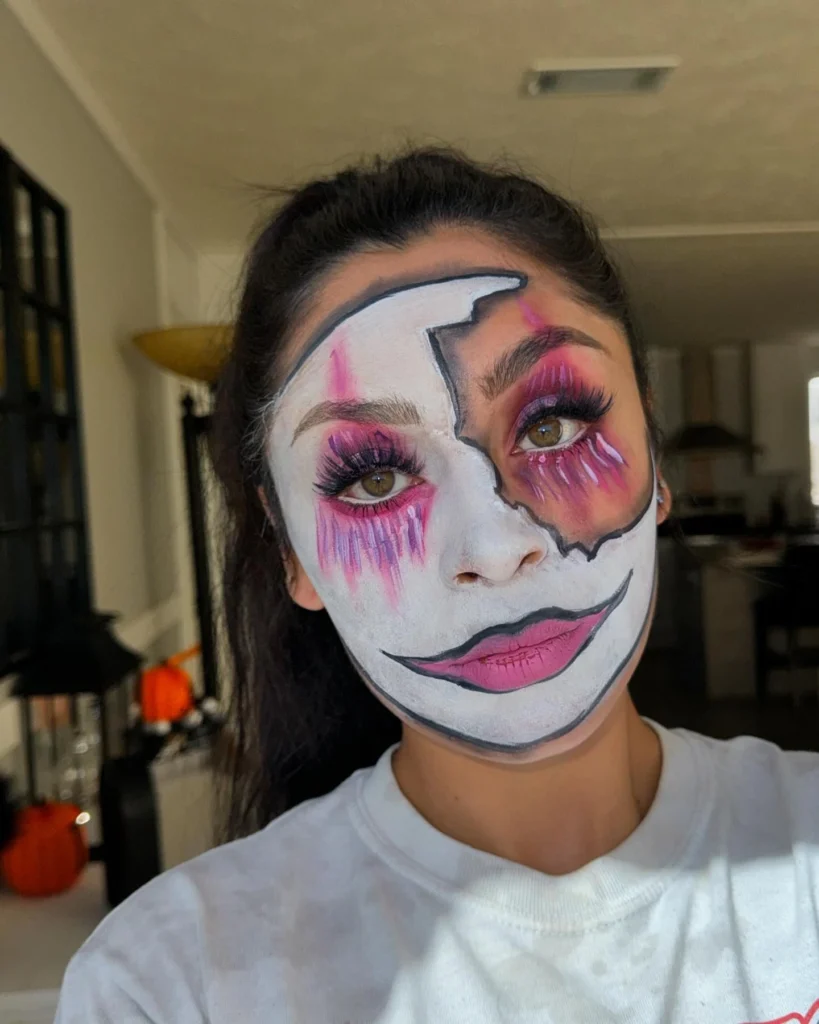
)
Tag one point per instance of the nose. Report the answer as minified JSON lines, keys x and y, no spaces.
{"x":494,"y":545}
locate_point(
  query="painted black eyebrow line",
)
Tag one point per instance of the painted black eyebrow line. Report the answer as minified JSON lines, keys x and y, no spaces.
{"x":390,"y":411}
{"x":512,"y":365}
{"x":377,"y":292}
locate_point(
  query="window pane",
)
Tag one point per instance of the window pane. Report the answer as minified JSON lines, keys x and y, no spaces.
{"x":72,"y":567}
{"x":3,"y":361}
{"x":51,"y":254}
{"x":40,"y":483}
{"x":6,"y":489}
{"x":68,"y":509}
{"x":13,"y":468}
{"x":5,"y":603}
{"x":58,"y":382}
{"x":36,"y":476}
{"x":45,"y":576}
{"x":31,"y":355}
{"x":25,"y":246}
{"x":24,"y":593}
{"x":52,"y":507}
{"x":53,"y":444}
{"x":813,"y":434}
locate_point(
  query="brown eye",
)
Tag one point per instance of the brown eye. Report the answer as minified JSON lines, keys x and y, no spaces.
{"x":379,"y":483}
{"x":546,"y":432}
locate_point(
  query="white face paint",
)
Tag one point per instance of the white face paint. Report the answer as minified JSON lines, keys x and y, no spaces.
{"x":466,"y":613}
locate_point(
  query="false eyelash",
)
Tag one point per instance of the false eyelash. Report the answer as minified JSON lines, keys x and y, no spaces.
{"x":581,"y":403}
{"x":348,"y":464}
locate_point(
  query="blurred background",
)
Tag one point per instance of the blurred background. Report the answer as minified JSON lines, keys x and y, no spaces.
{"x":131,"y":136}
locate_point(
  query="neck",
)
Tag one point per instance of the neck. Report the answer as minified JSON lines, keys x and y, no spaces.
{"x":554,"y":815}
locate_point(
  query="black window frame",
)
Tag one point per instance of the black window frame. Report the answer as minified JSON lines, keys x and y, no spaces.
{"x":44,"y":556}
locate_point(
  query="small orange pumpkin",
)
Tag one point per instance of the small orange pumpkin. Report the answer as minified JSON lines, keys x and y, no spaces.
{"x":165,"y":693}
{"x":48,"y":852}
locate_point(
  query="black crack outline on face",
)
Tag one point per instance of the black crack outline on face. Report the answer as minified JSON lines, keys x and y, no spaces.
{"x":375,"y":293}
{"x":512,"y":629}
{"x":508,"y":748}
{"x":563,"y":546}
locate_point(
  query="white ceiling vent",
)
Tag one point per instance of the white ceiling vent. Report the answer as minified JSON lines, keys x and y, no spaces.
{"x":598,"y":77}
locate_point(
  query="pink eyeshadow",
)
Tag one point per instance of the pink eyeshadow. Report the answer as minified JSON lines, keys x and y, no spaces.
{"x":551,"y":378}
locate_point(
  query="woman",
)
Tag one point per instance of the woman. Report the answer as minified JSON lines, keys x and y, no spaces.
{"x":436,"y":441}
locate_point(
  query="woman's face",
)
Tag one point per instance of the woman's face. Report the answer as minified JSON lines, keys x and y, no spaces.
{"x":463,"y":465}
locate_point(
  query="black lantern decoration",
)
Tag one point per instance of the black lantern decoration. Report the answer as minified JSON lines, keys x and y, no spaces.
{"x":71,"y":682}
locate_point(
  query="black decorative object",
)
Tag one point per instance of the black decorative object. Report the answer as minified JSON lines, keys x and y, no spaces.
{"x":79,"y":656}
{"x":7,"y":811}
{"x":194,"y":429}
{"x":130,"y":826}
{"x":196,"y":352}
{"x":44,"y":565}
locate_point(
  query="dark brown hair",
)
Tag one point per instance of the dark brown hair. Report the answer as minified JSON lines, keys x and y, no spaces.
{"x":303,"y":720}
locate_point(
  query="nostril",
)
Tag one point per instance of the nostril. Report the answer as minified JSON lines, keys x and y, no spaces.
{"x":531,"y":559}
{"x":500,"y":573}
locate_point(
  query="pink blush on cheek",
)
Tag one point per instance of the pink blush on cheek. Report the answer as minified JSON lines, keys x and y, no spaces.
{"x":380,"y":537}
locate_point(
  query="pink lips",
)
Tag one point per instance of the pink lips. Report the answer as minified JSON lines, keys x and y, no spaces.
{"x":518,"y":656}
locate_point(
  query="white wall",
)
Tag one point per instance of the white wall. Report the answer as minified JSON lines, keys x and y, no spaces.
{"x":115,"y":293}
{"x":130,"y":273}
{"x":172,"y":623}
{"x":219,"y":275}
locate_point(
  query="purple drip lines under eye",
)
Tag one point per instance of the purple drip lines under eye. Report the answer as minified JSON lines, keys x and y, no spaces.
{"x":592,"y":461}
{"x":379,"y":540}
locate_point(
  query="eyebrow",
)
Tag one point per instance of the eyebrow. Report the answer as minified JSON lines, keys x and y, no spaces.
{"x":512,"y":365}
{"x":393,"y":412}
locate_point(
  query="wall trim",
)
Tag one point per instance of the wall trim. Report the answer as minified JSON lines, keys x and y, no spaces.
{"x":806,"y":227}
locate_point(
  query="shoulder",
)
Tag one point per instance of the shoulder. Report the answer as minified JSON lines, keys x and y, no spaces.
{"x":158,"y":949}
{"x":761,"y":790}
{"x":263,"y":867}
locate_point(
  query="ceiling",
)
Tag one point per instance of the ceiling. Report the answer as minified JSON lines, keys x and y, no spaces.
{"x":217,"y":96}
{"x":712,"y":289}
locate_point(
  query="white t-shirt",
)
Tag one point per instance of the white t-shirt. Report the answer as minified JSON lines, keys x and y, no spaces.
{"x":352,"y":909}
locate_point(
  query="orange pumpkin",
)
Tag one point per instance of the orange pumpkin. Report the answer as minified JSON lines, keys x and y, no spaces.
{"x":48,"y":851}
{"x":165,"y":693}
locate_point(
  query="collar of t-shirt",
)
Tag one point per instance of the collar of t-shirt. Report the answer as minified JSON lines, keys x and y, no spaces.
{"x":634,"y":873}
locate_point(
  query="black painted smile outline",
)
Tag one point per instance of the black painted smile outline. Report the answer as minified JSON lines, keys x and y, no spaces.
{"x":507,"y":748}
{"x":513,"y":629}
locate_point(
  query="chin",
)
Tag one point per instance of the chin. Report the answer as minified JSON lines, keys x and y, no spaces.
{"x":568,"y":741}
{"x":533,"y":753}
